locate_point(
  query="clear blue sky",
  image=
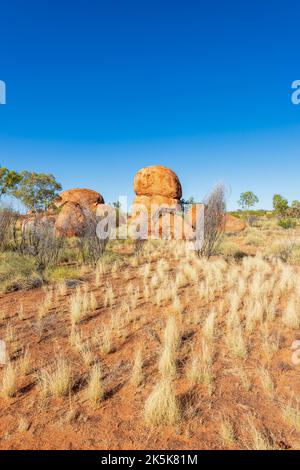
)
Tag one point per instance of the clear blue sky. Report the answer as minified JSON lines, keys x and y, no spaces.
{"x":98,"y":89}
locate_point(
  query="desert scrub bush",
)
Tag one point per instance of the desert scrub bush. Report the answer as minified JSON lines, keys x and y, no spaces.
{"x":56,"y":381}
{"x":91,"y":245}
{"x":226,"y":431}
{"x":281,"y":249}
{"x":81,"y":304}
{"x":269,"y":225}
{"x":291,"y":414}
{"x":18,"y":272}
{"x":294,"y":257}
{"x":161,"y":407}
{"x":256,"y":440}
{"x":209,"y":325}
{"x":201,"y":373}
{"x":9,"y":381}
{"x":137,"y":369}
{"x":24,"y":363}
{"x":214,"y":221}
{"x":95,"y":390}
{"x":253,"y":240}
{"x":106,"y":343}
{"x":69,"y":252}
{"x":287,"y":223}
{"x":227,"y":248}
{"x":62,"y":273}
{"x":290,"y":315}
{"x":167,"y":361}
{"x":8,"y":220}
{"x":39,"y":241}
{"x":266,"y":381}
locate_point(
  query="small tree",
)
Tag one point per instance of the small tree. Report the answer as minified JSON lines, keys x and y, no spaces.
{"x":214,"y":221}
{"x":8,"y":180}
{"x":90,"y":244}
{"x":247,"y":200}
{"x":280,"y":205}
{"x":40,"y":241}
{"x":8,"y":220}
{"x":295,"y":206}
{"x":36,"y":190}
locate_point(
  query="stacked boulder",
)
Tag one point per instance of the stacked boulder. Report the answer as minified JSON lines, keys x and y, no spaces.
{"x":158,"y":193}
{"x":75,"y":206}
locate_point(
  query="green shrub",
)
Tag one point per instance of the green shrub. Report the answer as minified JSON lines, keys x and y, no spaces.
{"x":254,"y":240}
{"x":239,"y":255}
{"x":281,"y":249}
{"x":287,"y":223}
{"x":17,"y":272}
{"x":63,"y":273}
{"x":227,"y":248}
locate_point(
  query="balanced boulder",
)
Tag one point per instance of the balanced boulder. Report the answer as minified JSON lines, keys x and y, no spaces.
{"x":157,"y":181}
{"x":158,"y":193}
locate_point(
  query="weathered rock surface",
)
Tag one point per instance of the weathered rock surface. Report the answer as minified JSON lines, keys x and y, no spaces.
{"x":234,"y":224}
{"x":71,"y":220}
{"x":81,"y":196}
{"x":75,"y":204}
{"x":157,"y":180}
{"x":158,"y":192}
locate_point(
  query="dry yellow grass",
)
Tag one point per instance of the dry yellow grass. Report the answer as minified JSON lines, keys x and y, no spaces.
{"x":9,"y":381}
{"x":215,"y":331}
{"x":95,"y":390}
{"x":137,"y":369}
{"x":161,"y":407}
{"x":57,"y":380}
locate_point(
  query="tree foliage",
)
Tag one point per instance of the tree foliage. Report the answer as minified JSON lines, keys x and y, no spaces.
{"x":247,"y":199}
{"x":36,"y":190}
{"x":295,"y":208}
{"x":8,"y":180}
{"x":280,"y":205}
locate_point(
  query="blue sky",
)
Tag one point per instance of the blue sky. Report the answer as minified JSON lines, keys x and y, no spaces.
{"x":98,"y":89}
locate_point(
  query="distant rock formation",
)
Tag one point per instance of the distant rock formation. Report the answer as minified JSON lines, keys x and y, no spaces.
{"x":232,"y":224}
{"x":158,"y":191}
{"x":75,"y":204}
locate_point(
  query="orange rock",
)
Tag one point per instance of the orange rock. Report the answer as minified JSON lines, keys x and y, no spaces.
{"x":75,"y":205}
{"x":84,"y":197}
{"x":234,"y":224}
{"x":157,"y":181}
{"x":71,"y":220}
{"x":151,"y":203}
{"x":173,"y":227}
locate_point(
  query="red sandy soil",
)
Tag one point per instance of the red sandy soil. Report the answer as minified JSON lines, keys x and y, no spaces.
{"x":32,"y":421}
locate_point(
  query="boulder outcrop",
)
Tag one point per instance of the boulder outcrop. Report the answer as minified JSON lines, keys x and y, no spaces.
{"x":158,"y":193}
{"x":75,"y":206}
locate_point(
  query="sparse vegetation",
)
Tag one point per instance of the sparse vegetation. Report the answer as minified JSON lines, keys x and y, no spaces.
{"x":201,"y":323}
